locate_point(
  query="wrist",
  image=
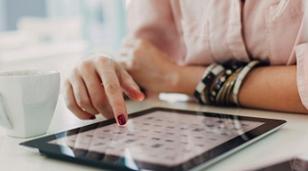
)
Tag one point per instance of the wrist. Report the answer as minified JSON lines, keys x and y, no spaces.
{"x":187,"y":78}
{"x":171,"y":79}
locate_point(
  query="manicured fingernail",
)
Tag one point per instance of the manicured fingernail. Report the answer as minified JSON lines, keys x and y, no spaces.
{"x":137,"y":95}
{"x":92,"y":118}
{"x":141,"y":97}
{"x":121,"y":119}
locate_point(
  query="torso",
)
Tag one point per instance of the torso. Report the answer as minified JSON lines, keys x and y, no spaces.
{"x":215,"y":31}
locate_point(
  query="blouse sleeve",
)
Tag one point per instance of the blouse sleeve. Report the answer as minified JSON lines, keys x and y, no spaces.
{"x":154,"y":21}
{"x":301,"y":53}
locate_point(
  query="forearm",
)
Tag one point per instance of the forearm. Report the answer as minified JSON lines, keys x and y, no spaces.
{"x":270,"y":88}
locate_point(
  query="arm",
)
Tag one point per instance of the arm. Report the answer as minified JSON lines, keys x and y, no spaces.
{"x":270,"y":88}
{"x":153,"y":20}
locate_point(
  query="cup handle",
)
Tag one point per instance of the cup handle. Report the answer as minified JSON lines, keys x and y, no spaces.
{"x":4,"y":119}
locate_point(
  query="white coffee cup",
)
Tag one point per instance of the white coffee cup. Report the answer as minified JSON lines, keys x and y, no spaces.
{"x":27,"y":101}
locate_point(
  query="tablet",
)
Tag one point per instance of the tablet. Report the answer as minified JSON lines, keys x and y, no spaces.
{"x":157,"y":139}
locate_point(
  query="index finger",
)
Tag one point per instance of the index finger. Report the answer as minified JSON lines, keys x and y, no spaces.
{"x":106,"y":70}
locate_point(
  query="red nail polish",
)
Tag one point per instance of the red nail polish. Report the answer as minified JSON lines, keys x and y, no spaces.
{"x":92,"y":118}
{"x":141,"y":97}
{"x":121,"y":119}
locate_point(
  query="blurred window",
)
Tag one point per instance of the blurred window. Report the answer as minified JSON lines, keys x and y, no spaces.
{"x":63,"y":26}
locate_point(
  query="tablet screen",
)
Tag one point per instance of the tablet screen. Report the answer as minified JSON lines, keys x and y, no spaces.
{"x":159,"y":139}
{"x":164,"y":138}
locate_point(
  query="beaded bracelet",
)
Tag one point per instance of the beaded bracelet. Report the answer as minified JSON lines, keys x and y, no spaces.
{"x":215,"y":87}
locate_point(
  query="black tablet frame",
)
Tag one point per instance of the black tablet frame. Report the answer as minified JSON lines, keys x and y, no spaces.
{"x":78,"y":155}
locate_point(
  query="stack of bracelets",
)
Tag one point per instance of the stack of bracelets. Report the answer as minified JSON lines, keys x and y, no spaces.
{"x":221,"y":83}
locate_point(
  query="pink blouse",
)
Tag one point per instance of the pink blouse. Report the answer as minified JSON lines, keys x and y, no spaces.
{"x":200,"y":32}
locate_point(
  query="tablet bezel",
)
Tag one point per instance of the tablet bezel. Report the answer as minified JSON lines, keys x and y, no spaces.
{"x":69,"y":153}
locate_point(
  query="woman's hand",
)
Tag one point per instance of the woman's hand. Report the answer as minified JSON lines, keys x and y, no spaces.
{"x":151,"y":68}
{"x":97,"y":86}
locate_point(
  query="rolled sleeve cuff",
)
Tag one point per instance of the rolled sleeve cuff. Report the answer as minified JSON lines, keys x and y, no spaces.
{"x":301,"y":52}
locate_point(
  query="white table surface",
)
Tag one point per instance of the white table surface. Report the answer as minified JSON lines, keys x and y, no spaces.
{"x":289,"y":141}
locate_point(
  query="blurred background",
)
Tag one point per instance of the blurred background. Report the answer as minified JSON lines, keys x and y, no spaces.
{"x":55,"y":34}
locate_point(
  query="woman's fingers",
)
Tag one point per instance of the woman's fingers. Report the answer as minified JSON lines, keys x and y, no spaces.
{"x":130,"y":87}
{"x":95,"y":89}
{"x":81,"y":94}
{"x":113,"y":90}
{"x":72,"y":105}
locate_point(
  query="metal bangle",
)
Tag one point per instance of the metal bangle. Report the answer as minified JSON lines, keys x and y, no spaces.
{"x":223,"y":97}
{"x":239,"y":81}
